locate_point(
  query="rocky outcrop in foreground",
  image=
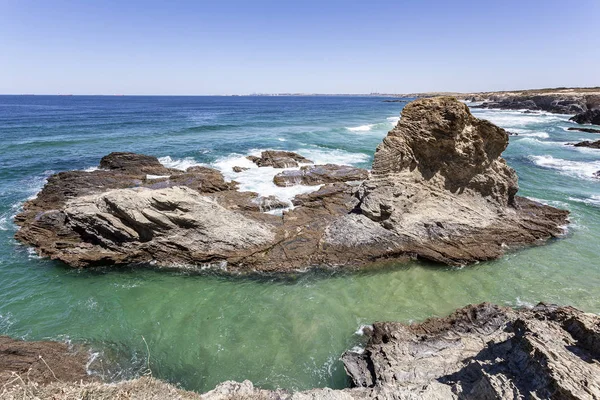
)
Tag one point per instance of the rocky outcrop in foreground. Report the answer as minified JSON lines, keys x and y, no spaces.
{"x":439,"y":190}
{"x":480,"y":351}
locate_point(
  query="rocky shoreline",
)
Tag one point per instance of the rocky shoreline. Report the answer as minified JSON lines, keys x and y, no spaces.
{"x":583,"y":103}
{"x":438,"y":190}
{"x":479,"y":351}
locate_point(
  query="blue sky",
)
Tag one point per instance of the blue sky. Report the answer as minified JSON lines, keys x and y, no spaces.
{"x":241,"y":47}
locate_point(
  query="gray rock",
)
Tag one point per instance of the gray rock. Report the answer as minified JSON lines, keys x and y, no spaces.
{"x":319,"y":174}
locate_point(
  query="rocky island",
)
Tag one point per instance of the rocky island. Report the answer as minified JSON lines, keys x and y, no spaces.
{"x":438,"y":190}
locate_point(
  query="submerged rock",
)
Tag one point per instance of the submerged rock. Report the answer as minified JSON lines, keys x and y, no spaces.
{"x":587,"y":117}
{"x":319,"y":174}
{"x":439,"y":190}
{"x":587,"y":130}
{"x":279,"y":159}
{"x":587,"y":143}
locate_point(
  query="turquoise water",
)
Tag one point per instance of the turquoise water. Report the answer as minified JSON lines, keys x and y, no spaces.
{"x":203,"y":328}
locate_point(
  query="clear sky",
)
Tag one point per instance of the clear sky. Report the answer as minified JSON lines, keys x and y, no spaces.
{"x":326,"y":46}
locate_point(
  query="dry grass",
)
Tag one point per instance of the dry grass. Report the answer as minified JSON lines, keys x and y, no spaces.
{"x":145,"y":388}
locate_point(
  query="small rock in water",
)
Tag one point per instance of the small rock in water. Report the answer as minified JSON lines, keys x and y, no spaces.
{"x":587,"y":130}
{"x":587,"y":143}
{"x":239,"y":169}
{"x":279,"y":159}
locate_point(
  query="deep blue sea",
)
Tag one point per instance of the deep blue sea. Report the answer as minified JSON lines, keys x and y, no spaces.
{"x":203,"y":328}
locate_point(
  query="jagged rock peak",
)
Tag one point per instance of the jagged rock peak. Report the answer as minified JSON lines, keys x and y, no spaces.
{"x":440,"y":141}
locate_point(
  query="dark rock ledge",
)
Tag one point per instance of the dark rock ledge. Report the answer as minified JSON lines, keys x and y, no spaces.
{"x":587,"y":143}
{"x":438,"y":190}
{"x":480,"y":351}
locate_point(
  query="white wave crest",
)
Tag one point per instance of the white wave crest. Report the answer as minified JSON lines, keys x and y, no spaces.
{"x":362,"y":128}
{"x":333,"y":156}
{"x":393,"y":120}
{"x":179,"y":163}
{"x":580,"y":169}
{"x":541,"y":135}
{"x":593,"y":200}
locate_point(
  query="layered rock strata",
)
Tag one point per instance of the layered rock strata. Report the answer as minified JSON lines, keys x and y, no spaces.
{"x":439,"y":190}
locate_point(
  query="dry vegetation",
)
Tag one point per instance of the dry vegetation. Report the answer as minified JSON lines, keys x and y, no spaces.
{"x":146,"y":388}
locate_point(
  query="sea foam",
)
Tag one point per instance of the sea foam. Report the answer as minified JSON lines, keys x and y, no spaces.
{"x":580,"y":169}
{"x":179,"y":163}
{"x":260,"y":179}
{"x":362,"y":128}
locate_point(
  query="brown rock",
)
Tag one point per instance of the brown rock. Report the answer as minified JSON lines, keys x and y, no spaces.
{"x":319,"y":174}
{"x":279,"y":159}
{"x":133,"y":163}
{"x":239,"y":169}
{"x":41,"y":362}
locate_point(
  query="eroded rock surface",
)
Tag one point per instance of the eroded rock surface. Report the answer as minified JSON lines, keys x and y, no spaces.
{"x":439,"y":190}
{"x":279,"y":159}
{"x":484,"y":352}
{"x":440,"y":184}
{"x":319,"y":174}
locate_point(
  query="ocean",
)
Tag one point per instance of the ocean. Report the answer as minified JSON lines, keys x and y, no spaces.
{"x":201,"y":327}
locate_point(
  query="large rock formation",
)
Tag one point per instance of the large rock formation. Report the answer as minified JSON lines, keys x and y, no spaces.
{"x":439,"y":191}
{"x":440,"y":185}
